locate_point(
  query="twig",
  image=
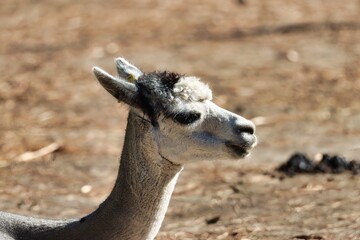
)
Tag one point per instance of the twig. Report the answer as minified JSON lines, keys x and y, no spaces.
{"x":354,"y":148}
{"x":28,"y":156}
{"x":260,"y":120}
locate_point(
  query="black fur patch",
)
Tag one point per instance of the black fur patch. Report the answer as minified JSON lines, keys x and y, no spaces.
{"x":169,"y":79}
{"x":156,"y":82}
{"x":155,"y":90}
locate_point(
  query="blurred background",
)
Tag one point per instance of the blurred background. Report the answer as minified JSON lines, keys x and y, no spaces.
{"x":290,"y":66}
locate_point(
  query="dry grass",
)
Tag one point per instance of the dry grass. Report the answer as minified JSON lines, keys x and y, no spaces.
{"x":307,"y":82}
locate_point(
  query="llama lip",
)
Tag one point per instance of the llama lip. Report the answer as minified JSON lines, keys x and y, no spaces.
{"x":238,"y":150}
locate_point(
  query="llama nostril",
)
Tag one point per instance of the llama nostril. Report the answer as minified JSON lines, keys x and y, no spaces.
{"x":245,"y":128}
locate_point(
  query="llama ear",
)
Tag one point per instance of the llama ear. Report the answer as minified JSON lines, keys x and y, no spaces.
{"x":122,"y":90}
{"x":126,"y":70}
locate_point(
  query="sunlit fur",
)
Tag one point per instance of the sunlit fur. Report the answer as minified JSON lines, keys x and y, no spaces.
{"x":172,"y":121}
{"x":212,"y":137}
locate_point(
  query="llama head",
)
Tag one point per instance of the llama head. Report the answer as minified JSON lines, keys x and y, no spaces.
{"x":186,"y":124}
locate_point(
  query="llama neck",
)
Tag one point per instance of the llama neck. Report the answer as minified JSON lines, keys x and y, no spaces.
{"x":145,"y":182}
{"x":138,"y":202}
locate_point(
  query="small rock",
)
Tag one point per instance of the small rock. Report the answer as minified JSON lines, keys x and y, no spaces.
{"x":86,"y":189}
{"x":212,"y":220}
{"x":292,"y":56}
{"x":308,"y":237}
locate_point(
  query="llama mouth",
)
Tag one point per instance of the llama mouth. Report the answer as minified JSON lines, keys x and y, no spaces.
{"x":237,"y":150}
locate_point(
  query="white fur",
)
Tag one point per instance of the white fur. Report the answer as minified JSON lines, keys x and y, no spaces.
{"x":192,"y":90}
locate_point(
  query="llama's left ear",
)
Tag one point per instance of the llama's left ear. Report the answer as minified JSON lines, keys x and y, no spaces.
{"x":126,"y":70}
{"x":122,"y":90}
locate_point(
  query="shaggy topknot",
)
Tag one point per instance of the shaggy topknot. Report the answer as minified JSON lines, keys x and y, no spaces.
{"x":158,"y":90}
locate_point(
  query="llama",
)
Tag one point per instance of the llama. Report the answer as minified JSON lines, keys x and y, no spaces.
{"x":172,"y":121}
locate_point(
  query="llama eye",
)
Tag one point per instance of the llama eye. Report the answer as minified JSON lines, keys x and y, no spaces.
{"x":186,"y":117}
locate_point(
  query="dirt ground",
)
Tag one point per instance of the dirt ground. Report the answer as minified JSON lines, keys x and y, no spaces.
{"x":291,"y":66}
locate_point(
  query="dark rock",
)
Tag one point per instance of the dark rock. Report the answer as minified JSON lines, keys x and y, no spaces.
{"x":354,"y":167}
{"x":332,"y":164}
{"x":300,"y":163}
{"x":297,"y":163}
